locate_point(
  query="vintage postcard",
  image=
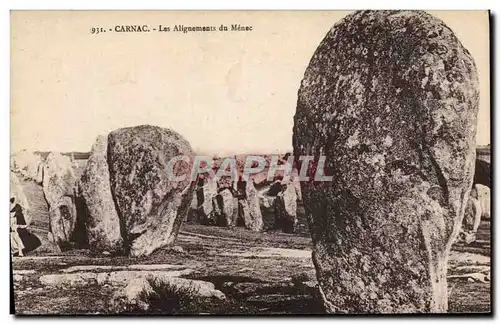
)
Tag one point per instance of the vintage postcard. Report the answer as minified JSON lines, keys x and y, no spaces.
{"x":250,"y":162}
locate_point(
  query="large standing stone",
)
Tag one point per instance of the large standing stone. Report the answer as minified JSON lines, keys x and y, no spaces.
{"x":296,"y":184}
{"x":235,"y":221}
{"x":28,"y":164}
{"x":483,"y":194}
{"x":216,"y":217}
{"x":285,"y":207}
{"x":226,"y":182}
{"x":39,"y":174}
{"x":250,"y":208}
{"x":151,"y":206}
{"x":391,"y":99}
{"x":227,"y":188}
{"x":59,"y":184}
{"x":471,"y":220}
{"x":243,"y":211}
{"x":192,"y":214}
{"x":207,"y":210}
{"x":102,"y":221}
{"x":229,"y":208}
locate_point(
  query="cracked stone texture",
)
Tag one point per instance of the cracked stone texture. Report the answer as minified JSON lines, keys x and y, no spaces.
{"x":285,"y":207}
{"x":391,"y":99}
{"x":28,"y":164}
{"x":151,"y":206}
{"x":250,"y":208}
{"x":59,"y":184}
{"x":209,"y":193}
{"x":102,"y":221}
{"x":484,"y":197}
{"x":229,"y":205}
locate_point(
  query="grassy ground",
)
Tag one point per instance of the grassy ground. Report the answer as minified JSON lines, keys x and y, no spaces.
{"x":257,"y":271}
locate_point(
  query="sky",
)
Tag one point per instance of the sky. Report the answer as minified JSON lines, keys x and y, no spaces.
{"x":225,"y":92}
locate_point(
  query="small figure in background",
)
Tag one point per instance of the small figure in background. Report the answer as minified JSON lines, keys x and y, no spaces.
{"x":17,"y":223}
{"x":21,"y":239}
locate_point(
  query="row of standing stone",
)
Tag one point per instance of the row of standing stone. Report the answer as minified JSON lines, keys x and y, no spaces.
{"x":229,"y":203}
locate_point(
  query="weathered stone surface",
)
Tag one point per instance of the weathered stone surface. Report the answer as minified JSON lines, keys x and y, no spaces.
{"x":217,"y":217}
{"x":207,"y":212}
{"x":17,"y":278}
{"x":472,"y":219}
{"x":391,"y":99}
{"x":28,"y":164}
{"x":192,"y":214}
{"x":483,"y":194}
{"x":263,"y":252}
{"x":24,"y":271}
{"x":59,"y":184}
{"x":151,"y":206}
{"x":148,"y":267}
{"x":266,"y":201}
{"x":58,"y":177}
{"x":229,"y":205}
{"x":250,"y":208}
{"x":69,"y":280}
{"x":200,"y":288}
{"x":102,"y":221}
{"x":243,"y":211}
{"x":296,"y":185}
{"x":115,"y":278}
{"x":18,"y":198}
{"x":285,"y":207}
{"x":39,"y":174}
{"x":473,"y":277}
{"x":227,"y":182}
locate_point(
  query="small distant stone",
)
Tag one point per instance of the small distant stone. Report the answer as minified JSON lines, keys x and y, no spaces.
{"x":177,"y":249}
{"x":310,"y":284}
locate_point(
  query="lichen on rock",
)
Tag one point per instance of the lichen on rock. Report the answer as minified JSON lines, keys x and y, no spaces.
{"x":391,"y":99}
{"x":151,"y":206}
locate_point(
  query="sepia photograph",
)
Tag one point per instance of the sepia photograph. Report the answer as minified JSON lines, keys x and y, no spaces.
{"x":250,"y":162}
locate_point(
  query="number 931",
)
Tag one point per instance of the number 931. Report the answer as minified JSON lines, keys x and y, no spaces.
{"x":96,"y":30}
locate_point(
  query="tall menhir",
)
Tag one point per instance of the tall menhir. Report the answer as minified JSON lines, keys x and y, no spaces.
{"x":391,"y":98}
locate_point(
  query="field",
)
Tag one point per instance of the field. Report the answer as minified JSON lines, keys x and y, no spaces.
{"x":259,"y":273}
